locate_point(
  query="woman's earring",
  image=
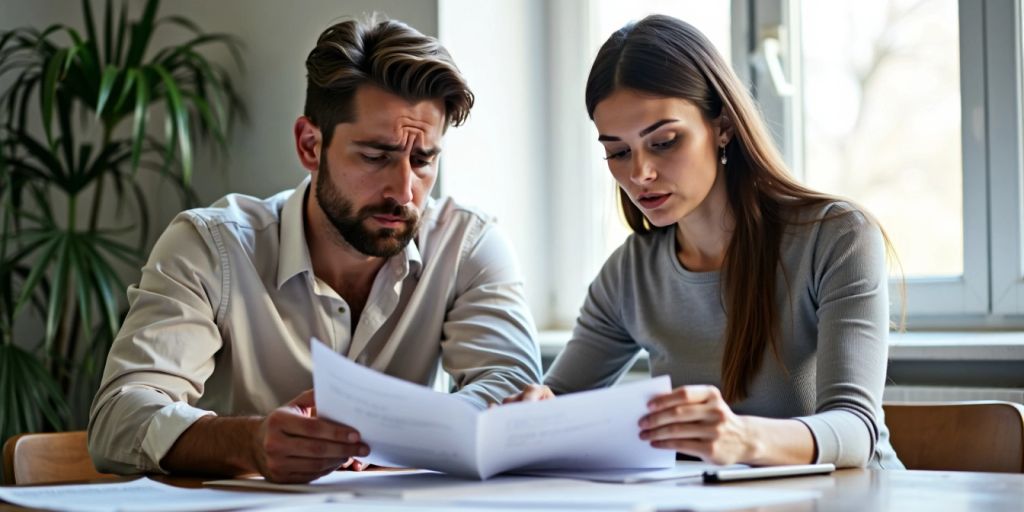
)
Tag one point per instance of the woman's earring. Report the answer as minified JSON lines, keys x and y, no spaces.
{"x":724,"y":158}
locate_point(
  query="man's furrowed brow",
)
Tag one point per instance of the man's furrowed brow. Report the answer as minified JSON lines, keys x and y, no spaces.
{"x":426,"y":152}
{"x":394,"y":148}
{"x":378,"y":145}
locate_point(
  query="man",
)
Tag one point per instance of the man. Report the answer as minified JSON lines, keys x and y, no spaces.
{"x":358,"y":255}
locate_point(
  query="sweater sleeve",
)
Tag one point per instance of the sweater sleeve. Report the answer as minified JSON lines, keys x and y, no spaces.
{"x":600,"y":350}
{"x":851,"y":281}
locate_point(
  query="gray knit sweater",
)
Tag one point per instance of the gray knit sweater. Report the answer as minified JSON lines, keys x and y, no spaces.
{"x":833,"y":309}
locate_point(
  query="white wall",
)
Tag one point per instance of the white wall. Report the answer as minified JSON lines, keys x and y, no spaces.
{"x":498,"y":159}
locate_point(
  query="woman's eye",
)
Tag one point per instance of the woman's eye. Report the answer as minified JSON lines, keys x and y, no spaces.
{"x":665,"y":144}
{"x":618,"y":155}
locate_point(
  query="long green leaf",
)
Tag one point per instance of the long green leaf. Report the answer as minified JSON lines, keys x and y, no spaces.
{"x":106,"y":85}
{"x":210,"y":121}
{"x":104,"y":281}
{"x":49,"y":91}
{"x":38,"y":271}
{"x":126,"y":90}
{"x":142,"y":32}
{"x":122,"y":26}
{"x":55,"y":309}
{"x":43,"y":155}
{"x":127,"y":255}
{"x":90,"y":26}
{"x":178,"y":112}
{"x":108,"y":33}
{"x":141,"y":104}
{"x":140,"y":199}
{"x":80,"y":271}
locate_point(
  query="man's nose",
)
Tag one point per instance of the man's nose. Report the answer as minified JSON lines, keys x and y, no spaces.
{"x":400,"y":182}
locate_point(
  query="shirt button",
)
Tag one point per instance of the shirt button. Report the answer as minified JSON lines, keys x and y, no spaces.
{"x":341,"y":310}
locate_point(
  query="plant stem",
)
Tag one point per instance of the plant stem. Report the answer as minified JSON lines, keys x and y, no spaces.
{"x":67,"y":318}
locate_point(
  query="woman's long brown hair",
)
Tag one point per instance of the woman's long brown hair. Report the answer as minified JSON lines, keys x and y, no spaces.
{"x":667,"y":57}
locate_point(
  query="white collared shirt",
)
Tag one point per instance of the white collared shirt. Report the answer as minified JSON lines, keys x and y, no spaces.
{"x":221,"y":321}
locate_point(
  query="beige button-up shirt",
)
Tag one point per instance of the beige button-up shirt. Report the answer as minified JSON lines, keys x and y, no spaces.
{"x":221,"y":321}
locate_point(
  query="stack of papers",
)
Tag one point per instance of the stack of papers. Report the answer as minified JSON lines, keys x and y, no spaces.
{"x":428,"y":491}
{"x":145,"y":495}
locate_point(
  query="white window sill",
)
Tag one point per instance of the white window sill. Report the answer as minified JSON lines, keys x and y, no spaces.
{"x":1004,"y":346}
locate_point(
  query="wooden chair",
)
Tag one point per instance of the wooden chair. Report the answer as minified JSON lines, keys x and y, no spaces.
{"x":48,"y":458}
{"x":958,"y":436}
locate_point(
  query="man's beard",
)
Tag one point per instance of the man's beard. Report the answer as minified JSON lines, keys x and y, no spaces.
{"x":383,"y":242}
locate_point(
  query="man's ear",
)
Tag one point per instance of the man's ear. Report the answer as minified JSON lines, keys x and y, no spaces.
{"x":308,"y":143}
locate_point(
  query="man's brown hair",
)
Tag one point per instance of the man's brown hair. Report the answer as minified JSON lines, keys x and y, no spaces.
{"x":387,"y":54}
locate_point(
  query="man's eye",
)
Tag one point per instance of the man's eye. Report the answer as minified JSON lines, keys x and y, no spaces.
{"x":618,"y":155}
{"x":374,"y":159}
{"x":421,"y":162}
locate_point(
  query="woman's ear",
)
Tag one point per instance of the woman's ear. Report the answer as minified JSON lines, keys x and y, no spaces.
{"x":725,"y":129}
{"x":308,"y":143}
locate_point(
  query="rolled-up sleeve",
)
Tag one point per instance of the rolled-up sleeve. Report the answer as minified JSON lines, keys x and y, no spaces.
{"x":488,"y":344}
{"x":163,"y":354}
{"x":853,"y":325}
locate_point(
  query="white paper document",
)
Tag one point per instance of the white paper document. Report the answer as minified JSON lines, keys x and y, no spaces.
{"x":406,"y":485}
{"x":684,"y":469}
{"x":408,"y":425}
{"x":405,"y":506}
{"x":337,"y":482}
{"x":143,"y":495}
{"x":656,"y":496}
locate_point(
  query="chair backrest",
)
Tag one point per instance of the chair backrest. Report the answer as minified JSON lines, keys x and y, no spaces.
{"x":48,"y":458}
{"x":958,"y":436}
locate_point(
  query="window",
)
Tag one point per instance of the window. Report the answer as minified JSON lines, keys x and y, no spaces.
{"x":881,"y":120}
{"x":910,"y":108}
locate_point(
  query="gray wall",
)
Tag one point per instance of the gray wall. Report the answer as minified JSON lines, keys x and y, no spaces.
{"x":277,"y":36}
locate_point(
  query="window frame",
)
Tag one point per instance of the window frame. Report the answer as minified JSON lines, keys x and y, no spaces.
{"x":990,"y":136}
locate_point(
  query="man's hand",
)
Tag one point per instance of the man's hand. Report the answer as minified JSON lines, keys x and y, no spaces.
{"x":292,"y":445}
{"x":532,"y":393}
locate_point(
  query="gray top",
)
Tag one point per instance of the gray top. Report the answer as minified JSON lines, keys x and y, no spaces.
{"x":833,"y":315}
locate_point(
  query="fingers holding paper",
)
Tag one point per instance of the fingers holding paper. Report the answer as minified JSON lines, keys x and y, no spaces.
{"x":697,"y":421}
{"x":293,"y":445}
{"x":532,"y":393}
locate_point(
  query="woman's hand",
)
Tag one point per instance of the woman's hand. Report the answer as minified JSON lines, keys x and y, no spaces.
{"x":532,"y":393}
{"x":695,"y":420}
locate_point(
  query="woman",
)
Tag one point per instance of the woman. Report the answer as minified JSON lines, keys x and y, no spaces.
{"x":765,"y":302}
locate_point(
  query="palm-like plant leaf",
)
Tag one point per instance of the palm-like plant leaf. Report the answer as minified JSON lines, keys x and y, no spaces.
{"x":93,"y":91}
{"x":28,"y":394}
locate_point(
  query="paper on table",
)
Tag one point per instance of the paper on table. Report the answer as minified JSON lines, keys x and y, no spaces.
{"x":683,"y":469}
{"x":336,"y":482}
{"x":142,"y":495}
{"x":404,"y":506}
{"x":406,"y":485}
{"x":409,"y":425}
{"x":658,"y":496}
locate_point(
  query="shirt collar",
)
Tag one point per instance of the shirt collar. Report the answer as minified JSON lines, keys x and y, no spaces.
{"x":294,"y":251}
{"x":293,"y":254}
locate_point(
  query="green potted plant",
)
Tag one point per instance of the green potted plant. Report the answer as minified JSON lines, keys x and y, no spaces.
{"x":77,"y":132}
